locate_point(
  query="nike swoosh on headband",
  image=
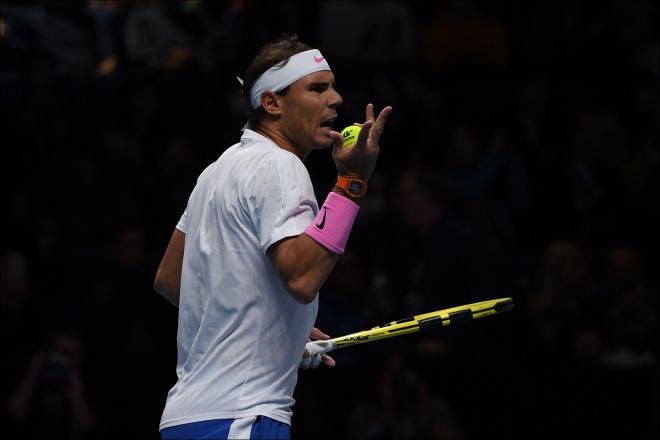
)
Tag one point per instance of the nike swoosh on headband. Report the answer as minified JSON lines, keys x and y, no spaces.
{"x":318,"y":59}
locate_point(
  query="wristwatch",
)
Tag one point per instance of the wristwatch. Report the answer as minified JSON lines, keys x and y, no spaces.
{"x":353,"y":186}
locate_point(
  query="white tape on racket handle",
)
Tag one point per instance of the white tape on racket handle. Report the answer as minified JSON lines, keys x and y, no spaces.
{"x":320,"y":347}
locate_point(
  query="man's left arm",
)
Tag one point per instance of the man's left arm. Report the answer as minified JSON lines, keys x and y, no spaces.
{"x":168,"y":276}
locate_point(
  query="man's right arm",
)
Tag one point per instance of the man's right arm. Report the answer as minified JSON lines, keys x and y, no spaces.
{"x":302,"y":263}
{"x":303,"y":266}
{"x":168,"y":276}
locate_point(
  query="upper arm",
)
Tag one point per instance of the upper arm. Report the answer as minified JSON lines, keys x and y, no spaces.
{"x":281,"y":206}
{"x":302,"y":264}
{"x":168,"y":276}
{"x":280,"y":201}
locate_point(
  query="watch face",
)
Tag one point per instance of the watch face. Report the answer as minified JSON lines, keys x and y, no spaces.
{"x":355,"y":187}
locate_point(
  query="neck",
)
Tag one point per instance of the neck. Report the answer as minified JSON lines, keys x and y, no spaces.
{"x":276,"y":135}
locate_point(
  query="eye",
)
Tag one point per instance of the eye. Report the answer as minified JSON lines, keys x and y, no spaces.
{"x":319,"y":88}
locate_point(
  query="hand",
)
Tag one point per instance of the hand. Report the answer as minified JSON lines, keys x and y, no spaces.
{"x":360,"y":160}
{"x":314,"y":361}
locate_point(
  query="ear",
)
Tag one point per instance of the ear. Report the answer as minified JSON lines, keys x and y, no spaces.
{"x":271,"y":103}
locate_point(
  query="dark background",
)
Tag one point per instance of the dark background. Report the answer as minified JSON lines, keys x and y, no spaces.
{"x":521,"y":160}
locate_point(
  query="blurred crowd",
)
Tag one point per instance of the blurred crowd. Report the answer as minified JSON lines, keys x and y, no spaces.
{"x":522,"y":160}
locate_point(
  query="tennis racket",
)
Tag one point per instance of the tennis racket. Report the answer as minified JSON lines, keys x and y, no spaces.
{"x":439,"y":318}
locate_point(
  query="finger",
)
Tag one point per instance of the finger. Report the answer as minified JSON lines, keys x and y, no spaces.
{"x":327,"y":360}
{"x":379,"y":125}
{"x":383,"y":115}
{"x":370,"y":112}
{"x":364,"y":134}
{"x":318,"y":334}
{"x":305,"y":363}
{"x":316,"y":360}
{"x":320,"y":346}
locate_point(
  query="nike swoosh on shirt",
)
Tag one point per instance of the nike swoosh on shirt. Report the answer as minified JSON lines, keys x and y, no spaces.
{"x":322,"y":224}
{"x":318,"y":59}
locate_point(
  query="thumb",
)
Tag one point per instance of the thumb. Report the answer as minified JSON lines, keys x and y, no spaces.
{"x":337,"y":140}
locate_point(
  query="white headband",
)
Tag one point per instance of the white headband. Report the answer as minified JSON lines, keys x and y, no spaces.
{"x":276,"y":78}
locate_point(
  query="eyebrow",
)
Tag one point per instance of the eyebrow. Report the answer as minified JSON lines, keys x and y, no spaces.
{"x":322,"y":83}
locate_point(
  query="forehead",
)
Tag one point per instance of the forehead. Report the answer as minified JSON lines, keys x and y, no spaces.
{"x":324,"y":76}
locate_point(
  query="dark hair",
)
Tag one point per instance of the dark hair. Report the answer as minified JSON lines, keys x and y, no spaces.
{"x":277,"y":52}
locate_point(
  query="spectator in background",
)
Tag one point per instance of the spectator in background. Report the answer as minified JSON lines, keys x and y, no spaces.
{"x":461,"y":35}
{"x":533,"y":113}
{"x":20,"y":318}
{"x":490,"y":186}
{"x":15,"y":287}
{"x":442,"y":266}
{"x":404,"y":408}
{"x":384,"y":39}
{"x":598,"y":146}
{"x":61,"y":29}
{"x":152,"y":39}
{"x":105,"y":15}
{"x":383,"y":43}
{"x":632,"y":324}
{"x":238,"y":38}
{"x":50,"y":401}
{"x":556,"y":309}
{"x":343,"y":306}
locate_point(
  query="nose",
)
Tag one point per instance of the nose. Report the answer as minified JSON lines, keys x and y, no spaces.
{"x":335,"y":99}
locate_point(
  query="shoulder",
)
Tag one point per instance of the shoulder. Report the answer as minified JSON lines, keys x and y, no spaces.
{"x":267,"y":156}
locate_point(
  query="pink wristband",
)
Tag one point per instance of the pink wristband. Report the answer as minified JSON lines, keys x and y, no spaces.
{"x":334,"y":222}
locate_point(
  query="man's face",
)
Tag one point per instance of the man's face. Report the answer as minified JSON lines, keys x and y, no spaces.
{"x":309,"y":109}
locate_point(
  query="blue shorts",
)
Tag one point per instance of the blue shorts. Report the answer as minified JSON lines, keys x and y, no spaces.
{"x":259,"y":427}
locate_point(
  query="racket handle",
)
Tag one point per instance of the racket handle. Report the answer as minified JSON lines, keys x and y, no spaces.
{"x":320,"y":347}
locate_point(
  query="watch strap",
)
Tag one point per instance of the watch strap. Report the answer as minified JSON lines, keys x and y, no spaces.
{"x":353,"y":186}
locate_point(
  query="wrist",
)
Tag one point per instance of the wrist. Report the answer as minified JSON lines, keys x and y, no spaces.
{"x":333,"y":223}
{"x":338,"y":190}
{"x":351,"y":187}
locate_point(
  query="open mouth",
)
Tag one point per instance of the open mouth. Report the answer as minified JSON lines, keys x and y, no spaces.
{"x":327,"y":123}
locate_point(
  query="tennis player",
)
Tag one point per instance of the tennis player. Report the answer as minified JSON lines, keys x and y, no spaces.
{"x":246,"y":260}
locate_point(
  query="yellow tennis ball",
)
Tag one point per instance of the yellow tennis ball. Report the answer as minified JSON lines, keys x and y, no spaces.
{"x":350,"y":135}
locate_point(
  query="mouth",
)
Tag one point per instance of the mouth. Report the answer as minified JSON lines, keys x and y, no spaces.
{"x":327,"y":123}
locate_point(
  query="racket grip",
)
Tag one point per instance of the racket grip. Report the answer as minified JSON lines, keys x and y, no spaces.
{"x":320,"y":347}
